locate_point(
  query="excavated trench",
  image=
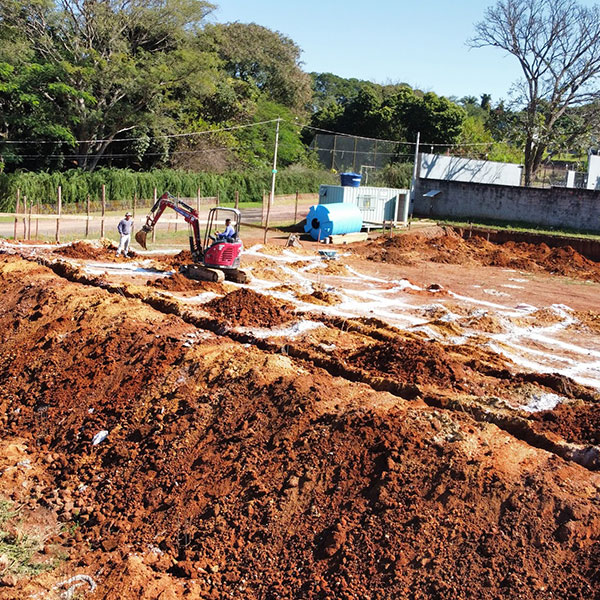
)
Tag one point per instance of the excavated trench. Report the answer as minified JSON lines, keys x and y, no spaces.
{"x":379,"y":371}
{"x":233,"y":469}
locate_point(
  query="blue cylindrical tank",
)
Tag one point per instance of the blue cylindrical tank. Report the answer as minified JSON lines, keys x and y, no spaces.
{"x":350,"y":179}
{"x":324,"y":220}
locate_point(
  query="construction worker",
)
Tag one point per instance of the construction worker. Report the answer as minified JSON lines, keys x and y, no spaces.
{"x":229,"y":231}
{"x":124,"y":228}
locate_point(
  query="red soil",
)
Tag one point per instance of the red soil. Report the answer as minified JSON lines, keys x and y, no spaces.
{"x":248,"y":308}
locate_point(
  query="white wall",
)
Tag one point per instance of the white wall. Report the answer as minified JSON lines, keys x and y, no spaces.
{"x":593,"y":182}
{"x":453,"y":168}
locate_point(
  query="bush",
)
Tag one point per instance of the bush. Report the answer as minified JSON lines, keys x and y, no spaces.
{"x":122,"y":185}
{"x":397,"y":175}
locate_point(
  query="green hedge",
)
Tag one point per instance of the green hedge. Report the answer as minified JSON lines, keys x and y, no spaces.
{"x":122,"y":184}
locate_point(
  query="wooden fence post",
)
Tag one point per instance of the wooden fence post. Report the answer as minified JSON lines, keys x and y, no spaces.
{"x":103,"y":210}
{"x":134,"y":203}
{"x":237,"y":199}
{"x":154,"y":200}
{"x":296,"y":208}
{"x":198,"y":201}
{"x":37,"y":220}
{"x":29,"y":220}
{"x":264,"y":209}
{"x":267,"y":219}
{"x":24,"y":217}
{"x":17,"y":207}
{"x":217,"y":199}
{"x":58,"y":212}
{"x":87,"y":212}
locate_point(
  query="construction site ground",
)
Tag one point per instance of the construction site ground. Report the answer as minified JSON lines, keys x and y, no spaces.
{"x":416,"y":418}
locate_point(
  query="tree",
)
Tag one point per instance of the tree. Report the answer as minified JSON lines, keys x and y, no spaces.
{"x":264,"y":59}
{"x":120,"y":62}
{"x":557,"y":44}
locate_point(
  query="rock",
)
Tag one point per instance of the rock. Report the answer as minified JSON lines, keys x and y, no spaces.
{"x":8,"y":580}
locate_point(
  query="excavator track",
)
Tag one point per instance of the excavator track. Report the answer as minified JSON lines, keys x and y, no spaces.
{"x":200,"y":273}
{"x":237,"y":276}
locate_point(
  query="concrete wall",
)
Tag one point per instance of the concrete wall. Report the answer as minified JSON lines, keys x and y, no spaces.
{"x":555,"y":207}
{"x":437,"y":166}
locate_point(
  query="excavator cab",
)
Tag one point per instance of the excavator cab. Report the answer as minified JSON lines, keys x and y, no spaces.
{"x":215,"y":258}
{"x":222,"y":252}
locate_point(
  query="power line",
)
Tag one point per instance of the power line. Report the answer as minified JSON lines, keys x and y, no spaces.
{"x":144,"y":137}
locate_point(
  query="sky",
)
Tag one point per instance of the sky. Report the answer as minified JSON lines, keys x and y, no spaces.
{"x":419,"y":42}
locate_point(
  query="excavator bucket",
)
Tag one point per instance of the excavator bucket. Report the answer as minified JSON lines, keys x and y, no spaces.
{"x":140,"y":238}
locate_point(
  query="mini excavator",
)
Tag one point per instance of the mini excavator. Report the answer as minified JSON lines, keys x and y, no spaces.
{"x":215,"y":258}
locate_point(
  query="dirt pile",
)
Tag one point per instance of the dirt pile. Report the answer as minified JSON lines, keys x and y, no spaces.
{"x":230,"y":472}
{"x":250,"y":309}
{"x":577,"y":422}
{"x":180,"y":283}
{"x":444,"y":245}
{"x":411,"y":361}
{"x":87,"y":251}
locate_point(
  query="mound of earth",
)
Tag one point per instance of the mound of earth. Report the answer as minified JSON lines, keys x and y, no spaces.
{"x":577,"y":422}
{"x":228,"y":471}
{"x":248,"y":308}
{"x":180,"y":283}
{"x":87,"y":251}
{"x":444,"y":245}
{"x":411,"y":361}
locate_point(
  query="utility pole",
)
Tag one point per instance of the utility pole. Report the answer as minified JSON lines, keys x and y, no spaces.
{"x":274,"y":172}
{"x":415,"y":173}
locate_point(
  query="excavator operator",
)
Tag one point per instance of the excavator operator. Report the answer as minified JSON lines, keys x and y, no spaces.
{"x":229,"y":233}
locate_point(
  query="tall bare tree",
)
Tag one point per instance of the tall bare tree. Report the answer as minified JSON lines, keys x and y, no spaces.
{"x":557,"y":44}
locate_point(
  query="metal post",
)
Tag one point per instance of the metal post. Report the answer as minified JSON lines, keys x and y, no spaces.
{"x":333,"y":153}
{"x":58,"y":212}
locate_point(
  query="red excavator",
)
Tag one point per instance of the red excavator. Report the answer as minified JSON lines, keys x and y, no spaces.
{"x":215,"y":259}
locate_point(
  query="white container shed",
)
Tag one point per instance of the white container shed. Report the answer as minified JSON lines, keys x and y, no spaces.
{"x":377,"y":205}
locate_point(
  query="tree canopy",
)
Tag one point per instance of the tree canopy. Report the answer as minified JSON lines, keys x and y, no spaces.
{"x":557,"y":44}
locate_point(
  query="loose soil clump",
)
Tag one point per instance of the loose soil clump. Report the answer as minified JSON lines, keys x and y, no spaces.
{"x":576,"y":422}
{"x":411,"y":361}
{"x":87,"y":251}
{"x":180,"y":283}
{"x":250,"y":309}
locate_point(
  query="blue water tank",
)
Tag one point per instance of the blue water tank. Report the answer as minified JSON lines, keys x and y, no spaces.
{"x":324,"y":220}
{"x":350,"y":179}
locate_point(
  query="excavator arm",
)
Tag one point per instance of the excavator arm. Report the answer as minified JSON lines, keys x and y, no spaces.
{"x":187,"y":212}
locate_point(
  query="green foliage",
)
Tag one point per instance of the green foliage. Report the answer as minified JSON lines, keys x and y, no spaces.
{"x":18,"y":547}
{"x":397,"y":175}
{"x":394,"y":113}
{"x":262,"y":58}
{"x":122,"y":185}
{"x":258,"y":143}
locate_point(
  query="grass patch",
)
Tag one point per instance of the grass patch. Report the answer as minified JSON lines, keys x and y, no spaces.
{"x":17,"y":548}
